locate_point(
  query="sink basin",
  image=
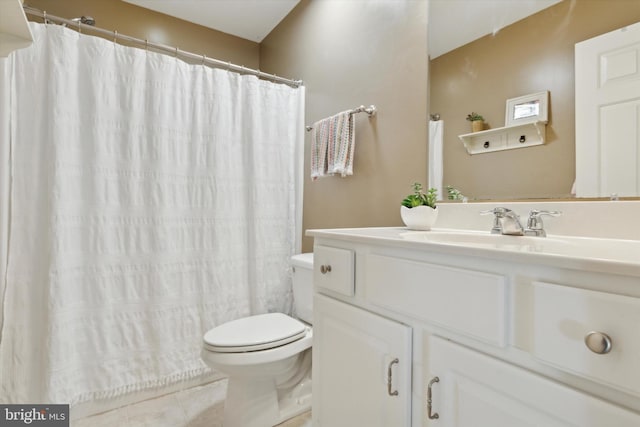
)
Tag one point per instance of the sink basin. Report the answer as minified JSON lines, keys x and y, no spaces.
{"x":610,"y":250}
{"x":487,"y":240}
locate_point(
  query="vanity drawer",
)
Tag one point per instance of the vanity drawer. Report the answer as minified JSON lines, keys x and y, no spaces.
{"x":333,"y":269}
{"x":469,"y":302}
{"x":563,"y":316}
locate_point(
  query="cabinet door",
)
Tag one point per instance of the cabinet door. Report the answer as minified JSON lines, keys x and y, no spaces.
{"x":361,"y":367}
{"x":476,"y":390}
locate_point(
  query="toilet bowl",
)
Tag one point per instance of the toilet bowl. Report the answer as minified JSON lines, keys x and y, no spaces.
{"x":267,"y":358}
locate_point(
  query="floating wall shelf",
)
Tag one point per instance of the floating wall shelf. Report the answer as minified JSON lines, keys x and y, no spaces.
{"x":505,"y":138}
{"x":14,"y":27}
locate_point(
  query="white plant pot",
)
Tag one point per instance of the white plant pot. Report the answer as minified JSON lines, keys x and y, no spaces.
{"x":418,"y":218}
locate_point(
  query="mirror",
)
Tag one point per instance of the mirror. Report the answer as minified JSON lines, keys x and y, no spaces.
{"x":532,"y":55}
{"x":525,"y":110}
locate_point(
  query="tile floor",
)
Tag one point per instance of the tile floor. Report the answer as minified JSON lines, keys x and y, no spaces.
{"x":200,"y":406}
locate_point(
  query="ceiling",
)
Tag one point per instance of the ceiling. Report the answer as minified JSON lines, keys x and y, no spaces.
{"x":248,"y":19}
{"x":452,"y":23}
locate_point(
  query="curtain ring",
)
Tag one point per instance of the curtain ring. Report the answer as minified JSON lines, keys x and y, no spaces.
{"x":204,"y":58}
{"x":44,"y":16}
{"x":115,"y":36}
{"x":176,"y":54}
{"x":146,"y":44}
{"x":228,"y":65}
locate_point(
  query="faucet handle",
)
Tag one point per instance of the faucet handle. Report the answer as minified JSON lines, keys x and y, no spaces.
{"x":535,"y":226}
{"x":498,"y":212}
{"x":535,"y":213}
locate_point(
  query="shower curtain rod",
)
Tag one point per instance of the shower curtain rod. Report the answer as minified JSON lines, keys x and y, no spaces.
{"x":173,"y":50}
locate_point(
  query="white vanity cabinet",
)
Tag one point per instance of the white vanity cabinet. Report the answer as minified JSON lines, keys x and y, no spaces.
{"x":364,"y":364}
{"x":503,"y":331}
{"x":364,"y":360}
{"x":476,"y":390}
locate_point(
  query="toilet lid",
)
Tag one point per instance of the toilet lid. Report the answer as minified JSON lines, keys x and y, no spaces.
{"x":254,"y":333}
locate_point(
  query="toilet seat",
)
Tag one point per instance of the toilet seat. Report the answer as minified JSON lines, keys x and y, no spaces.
{"x":254,"y":333}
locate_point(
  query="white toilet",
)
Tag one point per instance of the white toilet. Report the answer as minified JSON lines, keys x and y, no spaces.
{"x":267,"y":358}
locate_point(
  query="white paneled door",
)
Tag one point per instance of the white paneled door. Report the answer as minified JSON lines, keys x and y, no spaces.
{"x":608,"y":114}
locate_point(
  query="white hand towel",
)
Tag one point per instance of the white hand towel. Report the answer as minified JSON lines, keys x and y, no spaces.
{"x":319,"y":143}
{"x":332,"y":146}
{"x":341,"y":145}
{"x":435,"y":156}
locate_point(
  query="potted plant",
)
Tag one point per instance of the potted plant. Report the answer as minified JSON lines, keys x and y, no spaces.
{"x":455,"y":194}
{"x":477,"y":121}
{"x":418,"y":210}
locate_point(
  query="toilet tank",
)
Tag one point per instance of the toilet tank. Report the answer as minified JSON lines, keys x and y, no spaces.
{"x":302,"y":267}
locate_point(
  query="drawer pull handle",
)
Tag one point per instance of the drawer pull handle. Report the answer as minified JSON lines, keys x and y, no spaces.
{"x":598,"y":342}
{"x":324,"y":269}
{"x":390,"y":378}
{"x":435,"y":415}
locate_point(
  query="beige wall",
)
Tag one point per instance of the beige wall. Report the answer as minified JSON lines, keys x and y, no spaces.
{"x":532,"y":55}
{"x":350,"y":53}
{"x":145,"y":24}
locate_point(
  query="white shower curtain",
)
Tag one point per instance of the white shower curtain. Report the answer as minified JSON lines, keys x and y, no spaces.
{"x":150,"y":201}
{"x":5,"y":177}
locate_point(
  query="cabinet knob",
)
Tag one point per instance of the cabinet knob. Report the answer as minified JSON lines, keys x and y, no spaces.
{"x":324,"y":269}
{"x":598,"y":342}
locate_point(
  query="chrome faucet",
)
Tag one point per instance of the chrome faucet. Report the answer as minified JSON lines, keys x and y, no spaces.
{"x":505,"y":221}
{"x":535,"y":227}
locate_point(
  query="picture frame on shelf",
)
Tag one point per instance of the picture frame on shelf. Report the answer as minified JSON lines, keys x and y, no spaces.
{"x":527,"y":109}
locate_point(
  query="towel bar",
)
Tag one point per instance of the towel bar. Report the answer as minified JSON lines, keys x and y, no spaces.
{"x":370,"y":110}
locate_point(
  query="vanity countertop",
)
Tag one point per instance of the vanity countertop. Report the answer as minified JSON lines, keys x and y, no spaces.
{"x":604,"y":255}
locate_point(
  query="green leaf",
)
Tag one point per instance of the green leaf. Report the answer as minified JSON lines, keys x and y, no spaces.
{"x":419,"y":198}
